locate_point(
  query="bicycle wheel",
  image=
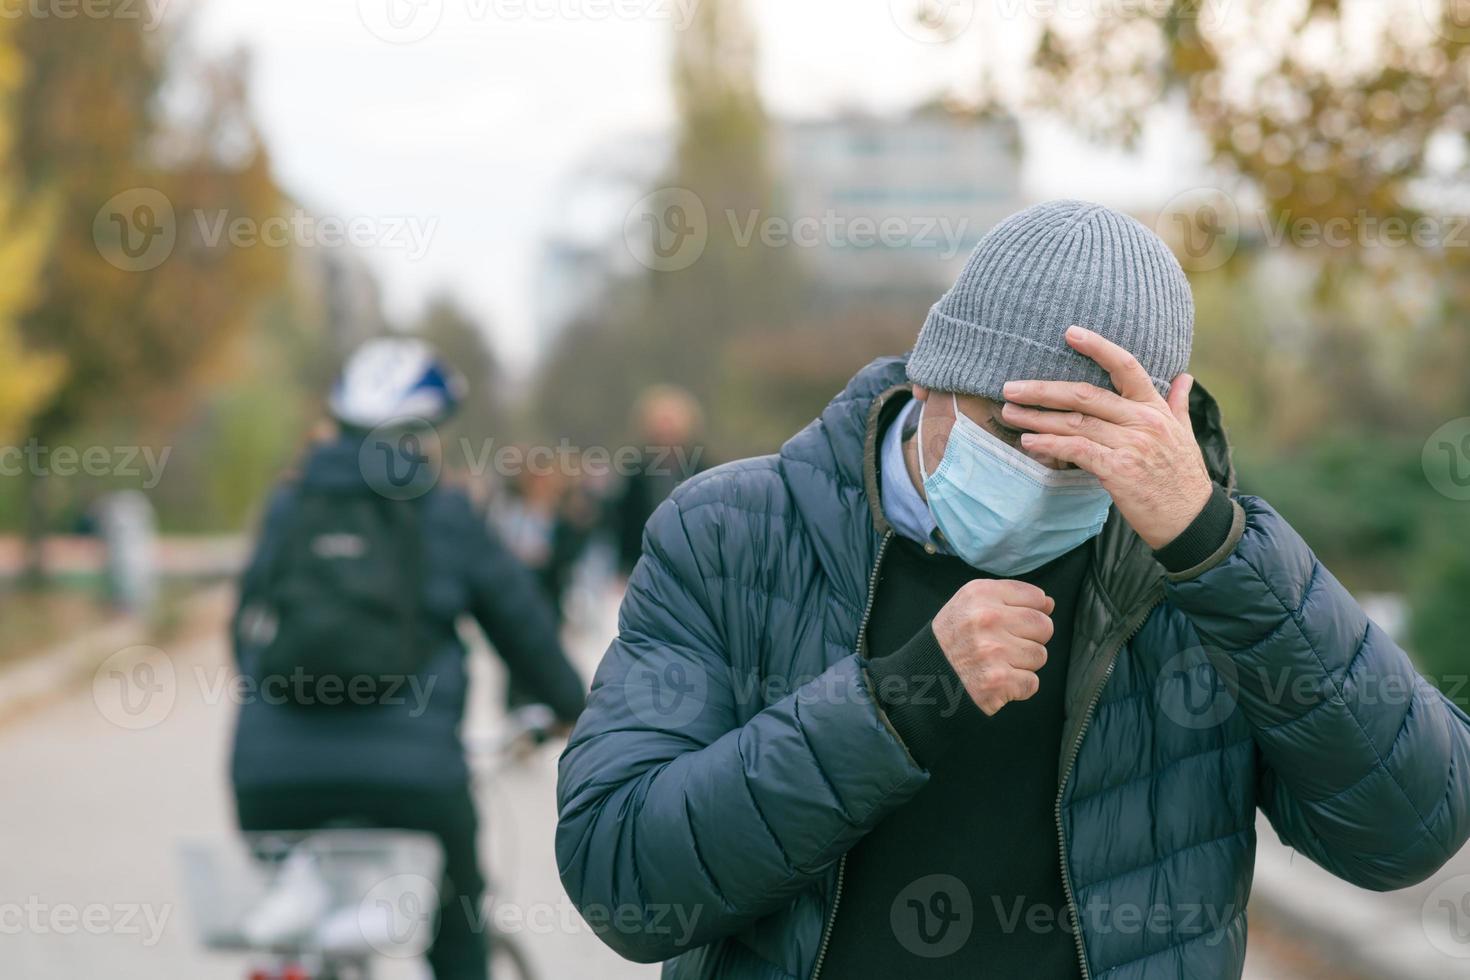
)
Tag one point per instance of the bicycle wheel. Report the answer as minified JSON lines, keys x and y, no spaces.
{"x":508,"y":961}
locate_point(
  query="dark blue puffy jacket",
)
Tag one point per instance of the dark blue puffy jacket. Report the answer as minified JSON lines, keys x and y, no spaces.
{"x":411,"y":738}
{"x":731,"y":752}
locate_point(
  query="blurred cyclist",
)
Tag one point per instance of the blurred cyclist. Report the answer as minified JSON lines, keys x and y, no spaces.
{"x":345,"y":634}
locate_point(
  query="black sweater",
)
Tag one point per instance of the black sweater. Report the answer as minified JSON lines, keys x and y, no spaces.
{"x":965,"y":878}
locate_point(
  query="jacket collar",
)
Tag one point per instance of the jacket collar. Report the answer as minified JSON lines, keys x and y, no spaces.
{"x":831,"y":470}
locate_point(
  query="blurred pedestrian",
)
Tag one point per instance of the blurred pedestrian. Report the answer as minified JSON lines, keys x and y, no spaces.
{"x":546,"y":518}
{"x":668,"y":420}
{"x":346,"y":632}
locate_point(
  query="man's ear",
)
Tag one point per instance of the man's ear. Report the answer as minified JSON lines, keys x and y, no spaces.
{"x":920,"y":392}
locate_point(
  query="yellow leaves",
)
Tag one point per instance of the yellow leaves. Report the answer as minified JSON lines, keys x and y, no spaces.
{"x":27,"y":378}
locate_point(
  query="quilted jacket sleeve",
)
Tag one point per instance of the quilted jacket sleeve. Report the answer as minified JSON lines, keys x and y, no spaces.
{"x":1367,"y":765}
{"x":679,"y":822}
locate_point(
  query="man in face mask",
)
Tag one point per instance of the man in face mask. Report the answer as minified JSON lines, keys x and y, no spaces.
{"x":987,"y":672}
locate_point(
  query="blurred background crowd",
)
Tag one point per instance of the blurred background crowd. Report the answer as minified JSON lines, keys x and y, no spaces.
{"x":660,"y":234}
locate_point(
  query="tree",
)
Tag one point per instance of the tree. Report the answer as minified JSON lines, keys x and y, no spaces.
{"x":463,"y":343}
{"x":138,"y":294}
{"x":678,"y":321}
{"x":27,"y":379}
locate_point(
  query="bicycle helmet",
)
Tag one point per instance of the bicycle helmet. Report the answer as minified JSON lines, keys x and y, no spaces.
{"x":396,"y":379}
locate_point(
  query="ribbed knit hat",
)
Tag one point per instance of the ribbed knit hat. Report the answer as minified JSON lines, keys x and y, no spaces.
{"x":1037,"y":273}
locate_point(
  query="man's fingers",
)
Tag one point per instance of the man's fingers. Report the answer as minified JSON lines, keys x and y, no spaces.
{"x":1179,"y":398}
{"x":1014,"y":593}
{"x":1090,"y":456}
{"x":1129,"y":377}
{"x":1022,"y":684}
{"x":1110,"y":434}
{"x":1028,"y":656}
{"x":1072,"y":396}
{"x":1028,"y":624}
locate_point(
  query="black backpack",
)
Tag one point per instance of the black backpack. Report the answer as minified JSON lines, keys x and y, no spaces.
{"x":344,"y":594}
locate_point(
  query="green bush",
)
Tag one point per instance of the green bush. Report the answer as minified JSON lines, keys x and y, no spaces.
{"x":1438,"y":599}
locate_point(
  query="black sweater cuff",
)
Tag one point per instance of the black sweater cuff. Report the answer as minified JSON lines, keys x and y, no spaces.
{"x":924,"y":699}
{"x":1204,"y":536}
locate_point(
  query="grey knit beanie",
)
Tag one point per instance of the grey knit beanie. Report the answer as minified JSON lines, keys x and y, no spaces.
{"x":1037,"y":273}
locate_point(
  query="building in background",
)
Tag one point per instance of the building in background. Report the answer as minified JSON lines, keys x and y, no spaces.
{"x":873,"y":208}
{"x":932,"y":184}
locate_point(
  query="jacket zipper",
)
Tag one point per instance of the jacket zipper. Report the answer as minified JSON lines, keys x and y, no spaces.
{"x":842,"y":862}
{"x":1067,"y":774}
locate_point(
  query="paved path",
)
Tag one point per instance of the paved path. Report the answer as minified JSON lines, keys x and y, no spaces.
{"x":95,"y":812}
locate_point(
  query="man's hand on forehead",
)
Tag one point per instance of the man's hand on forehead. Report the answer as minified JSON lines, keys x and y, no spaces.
{"x":1140,"y":445}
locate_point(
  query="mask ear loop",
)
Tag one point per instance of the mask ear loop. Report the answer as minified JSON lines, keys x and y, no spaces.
{"x":919,"y":436}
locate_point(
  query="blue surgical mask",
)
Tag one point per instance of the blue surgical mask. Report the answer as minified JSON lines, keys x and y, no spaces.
{"x":1002,"y":511}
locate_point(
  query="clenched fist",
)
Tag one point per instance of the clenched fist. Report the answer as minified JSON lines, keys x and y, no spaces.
{"x":994,"y":632}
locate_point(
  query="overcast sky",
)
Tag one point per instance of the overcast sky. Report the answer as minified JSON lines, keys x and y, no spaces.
{"x":461,"y":116}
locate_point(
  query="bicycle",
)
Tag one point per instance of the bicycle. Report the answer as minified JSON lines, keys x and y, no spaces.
{"x":328,"y":904}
